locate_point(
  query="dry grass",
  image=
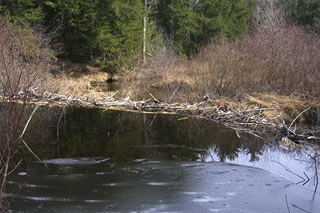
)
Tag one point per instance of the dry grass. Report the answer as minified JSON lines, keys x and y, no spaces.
{"x":166,"y":79}
{"x":287,"y":106}
{"x":78,"y":86}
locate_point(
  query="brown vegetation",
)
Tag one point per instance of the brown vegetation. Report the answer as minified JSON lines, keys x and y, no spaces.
{"x":71,"y":83}
{"x":272,"y":67}
{"x":24,"y":64}
{"x":280,"y":60}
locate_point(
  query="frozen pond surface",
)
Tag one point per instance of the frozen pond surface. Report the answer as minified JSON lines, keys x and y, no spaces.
{"x":127,"y":162}
{"x":156,"y":186}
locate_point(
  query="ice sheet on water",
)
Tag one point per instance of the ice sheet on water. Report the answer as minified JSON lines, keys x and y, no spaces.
{"x":75,"y":161}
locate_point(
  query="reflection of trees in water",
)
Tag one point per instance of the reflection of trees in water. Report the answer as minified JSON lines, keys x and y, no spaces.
{"x":11,"y":126}
{"x":206,"y":135}
{"x":42,"y":132}
{"x":126,"y":136}
{"x":231,"y":146}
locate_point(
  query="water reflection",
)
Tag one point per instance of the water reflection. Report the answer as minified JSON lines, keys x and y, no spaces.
{"x":124,"y":137}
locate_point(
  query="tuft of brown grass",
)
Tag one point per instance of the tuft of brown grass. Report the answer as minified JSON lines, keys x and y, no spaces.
{"x":165,"y":78}
{"x":78,"y":87}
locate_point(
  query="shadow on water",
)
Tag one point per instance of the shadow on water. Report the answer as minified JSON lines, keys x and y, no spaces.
{"x":123,"y":161}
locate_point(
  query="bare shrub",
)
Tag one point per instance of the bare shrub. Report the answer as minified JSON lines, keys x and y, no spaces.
{"x":283,"y":60}
{"x":25,"y":60}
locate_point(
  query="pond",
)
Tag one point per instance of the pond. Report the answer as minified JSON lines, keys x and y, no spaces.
{"x":97,"y":160}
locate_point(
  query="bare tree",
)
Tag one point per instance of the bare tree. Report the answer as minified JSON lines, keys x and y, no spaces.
{"x":269,"y":14}
{"x":149,"y":6}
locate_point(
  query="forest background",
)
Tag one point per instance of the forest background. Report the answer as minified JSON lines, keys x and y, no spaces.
{"x":197,"y":47}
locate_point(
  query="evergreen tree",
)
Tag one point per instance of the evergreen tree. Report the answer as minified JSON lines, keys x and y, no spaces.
{"x":110,"y":33}
{"x":22,"y":11}
{"x":120,"y":37}
{"x":193,"y":23}
{"x":304,"y":11}
{"x":77,"y":21}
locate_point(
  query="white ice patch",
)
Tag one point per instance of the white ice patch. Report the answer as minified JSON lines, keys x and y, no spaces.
{"x":157,"y":183}
{"x":22,"y":173}
{"x":208,"y":199}
{"x":75,"y":161}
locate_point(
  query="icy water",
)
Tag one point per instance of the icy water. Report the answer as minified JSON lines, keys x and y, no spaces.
{"x":113,"y":161}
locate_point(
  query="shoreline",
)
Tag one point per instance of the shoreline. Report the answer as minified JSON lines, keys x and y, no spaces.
{"x":246,"y":117}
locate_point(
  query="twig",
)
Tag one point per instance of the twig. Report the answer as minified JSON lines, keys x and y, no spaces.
{"x":58,"y":125}
{"x":287,"y":169}
{"x":25,"y":127}
{"x":258,"y":136}
{"x":307,"y":178}
{"x":247,"y":111}
{"x":9,"y":173}
{"x":58,"y":130}
{"x":287,"y":204}
{"x":154,"y":98}
{"x":316,"y":176}
{"x":30,"y":150}
{"x":24,"y":130}
{"x":154,"y":117}
{"x":295,"y":206}
{"x":185,"y":118}
{"x":257,"y":110}
{"x":298,"y":117}
{"x":173,"y":94}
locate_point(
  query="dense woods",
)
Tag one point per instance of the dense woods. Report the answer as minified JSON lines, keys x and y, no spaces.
{"x":109,"y":33}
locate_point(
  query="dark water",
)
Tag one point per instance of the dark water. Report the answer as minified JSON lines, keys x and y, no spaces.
{"x":112,"y":161}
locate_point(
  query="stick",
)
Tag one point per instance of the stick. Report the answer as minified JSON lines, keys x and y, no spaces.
{"x":154,"y":117}
{"x":185,"y":118}
{"x":298,"y":116}
{"x":154,"y":98}
{"x":9,"y":173}
{"x":256,"y":110}
{"x":25,"y":127}
{"x":295,"y":206}
{"x":307,"y":178}
{"x":287,"y":169}
{"x":30,"y":150}
{"x":287,"y":204}
{"x":24,"y":130}
{"x":316,"y":176}
{"x":173,"y":94}
{"x":58,"y":131}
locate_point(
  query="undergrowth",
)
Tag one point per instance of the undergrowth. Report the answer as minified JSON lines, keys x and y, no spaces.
{"x":283,"y":60}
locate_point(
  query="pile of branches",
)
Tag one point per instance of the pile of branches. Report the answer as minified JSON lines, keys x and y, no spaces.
{"x":251,"y":119}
